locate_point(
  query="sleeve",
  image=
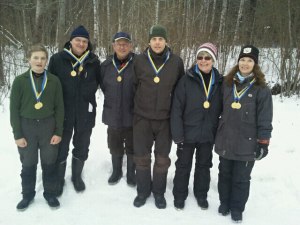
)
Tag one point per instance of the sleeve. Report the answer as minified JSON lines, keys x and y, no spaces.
{"x":177,"y":110}
{"x":15,"y":107}
{"x":59,"y":109}
{"x":101,"y":78}
{"x":264,"y":113}
{"x":51,"y":67}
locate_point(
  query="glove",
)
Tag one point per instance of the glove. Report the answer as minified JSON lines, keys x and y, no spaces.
{"x":180,"y":146}
{"x":261,"y":151}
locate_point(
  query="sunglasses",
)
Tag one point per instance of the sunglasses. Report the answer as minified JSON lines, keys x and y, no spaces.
{"x":205,"y":58}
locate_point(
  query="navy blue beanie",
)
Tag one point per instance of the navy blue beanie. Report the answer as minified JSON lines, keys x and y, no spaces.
{"x":80,"y":31}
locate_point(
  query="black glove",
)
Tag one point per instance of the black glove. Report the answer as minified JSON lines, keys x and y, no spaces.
{"x":180,"y":146}
{"x":261,"y":151}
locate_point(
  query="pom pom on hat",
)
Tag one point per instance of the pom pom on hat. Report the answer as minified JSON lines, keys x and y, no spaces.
{"x":210,"y":49}
{"x":80,"y":31}
{"x":158,"y":31}
{"x":249,"y":51}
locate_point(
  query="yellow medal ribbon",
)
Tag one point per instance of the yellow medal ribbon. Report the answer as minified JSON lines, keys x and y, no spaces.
{"x":157,"y":79}
{"x":208,"y":89}
{"x":37,"y":94}
{"x":79,"y":61}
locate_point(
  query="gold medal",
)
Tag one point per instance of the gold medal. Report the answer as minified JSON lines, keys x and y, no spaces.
{"x":119,"y":78}
{"x":233,"y":105}
{"x":238,"y":105}
{"x":156,"y":80}
{"x":73,"y":73}
{"x":206,"y":104}
{"x":80,"y":68}
{"x":38,"y":105}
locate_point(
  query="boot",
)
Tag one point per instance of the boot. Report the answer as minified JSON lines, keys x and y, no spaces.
{"x":131,"y":180}
{"x":24,"y":203}
{"x":117,"y":170}
{"x":52,"y":200}
{"x":77,"y":166}
{"x":61,"y":171}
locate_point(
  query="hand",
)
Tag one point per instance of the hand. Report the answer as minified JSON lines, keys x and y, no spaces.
{"x":22,"y":143}
{"x":261,"y":151}
{"x":55,"y":140}
{"x":180,"y":146}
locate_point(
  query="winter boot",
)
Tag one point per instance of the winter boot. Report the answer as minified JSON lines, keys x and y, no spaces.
{"x":77,"y":166}
{"x":117,"y":169}
{"x":51,"y":200}
{"x":160,"y":201}
{"x":24,"y":203}
{"x":237,"y":216}
{"x":131,"y":180}
{"x":224,"y":209}
{"x":202,"y":203}
{"x":28,"y":176}
{"x":61,"y":171}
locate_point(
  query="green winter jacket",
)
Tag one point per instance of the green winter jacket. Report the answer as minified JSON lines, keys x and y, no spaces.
{"x":22,"y":102}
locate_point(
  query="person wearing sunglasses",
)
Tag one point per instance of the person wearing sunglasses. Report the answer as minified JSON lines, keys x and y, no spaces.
{"x":196,"y":108}
{"x":244,"y":131}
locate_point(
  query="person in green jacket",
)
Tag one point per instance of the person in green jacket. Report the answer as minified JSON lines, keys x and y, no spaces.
{"x":36,"y":116}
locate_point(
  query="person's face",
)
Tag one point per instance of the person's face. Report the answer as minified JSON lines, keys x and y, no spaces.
{"x":122,"y":48}
{"x":205,"y":62}
{"x":38,"y":61}
{"x":157,"y":44}
{"x":246,"y":66}
{"x":79,"y":45}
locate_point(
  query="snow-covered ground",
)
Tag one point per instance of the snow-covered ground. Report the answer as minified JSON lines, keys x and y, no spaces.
{"x":274,"y":195}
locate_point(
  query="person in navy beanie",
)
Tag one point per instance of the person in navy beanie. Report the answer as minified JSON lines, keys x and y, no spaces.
{"x":196,"y":107}
{"x":78,"y":69}
{"x":244,"y":131}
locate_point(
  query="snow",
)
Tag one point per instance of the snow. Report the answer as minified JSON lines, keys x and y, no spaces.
{"x":274,"y":195}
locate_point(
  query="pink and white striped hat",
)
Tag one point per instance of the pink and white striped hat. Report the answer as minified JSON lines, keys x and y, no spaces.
{"x":210,"y":49}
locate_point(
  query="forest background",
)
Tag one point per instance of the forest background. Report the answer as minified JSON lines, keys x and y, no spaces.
{"x":271,"y":25}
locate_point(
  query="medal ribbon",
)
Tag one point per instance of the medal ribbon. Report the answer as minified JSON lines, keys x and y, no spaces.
{"x":123,"y":68}
{"x":78,"y":60}
{"x":238,"y":95}
{"x":211,"y":82}
{"x":153,"y":65}
{"x":44,"y":83}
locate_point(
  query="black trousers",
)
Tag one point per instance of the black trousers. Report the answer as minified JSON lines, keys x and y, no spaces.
{"x":234,"y":183}
{"x":38,"y":134}
{"x":147,"y":133}
{"x":120,"y":140}
{"x":81,"y":143}
{"x":183,"y":165}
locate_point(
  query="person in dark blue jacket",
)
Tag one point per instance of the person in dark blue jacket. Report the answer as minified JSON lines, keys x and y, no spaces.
{"x":244,"y":131}
{"x":78,"y":70}
{"x":117,"y":86}
{"x":196,"y":108}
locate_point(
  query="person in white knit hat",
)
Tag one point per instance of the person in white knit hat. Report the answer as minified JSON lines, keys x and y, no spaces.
{"x":195,"y":114}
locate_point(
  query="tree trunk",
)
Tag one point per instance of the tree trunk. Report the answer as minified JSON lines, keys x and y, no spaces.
{"x":96,"y":23}
{"x":61,"y":24}
{"x":157,"y":12}
{"x":240,"y":13}
{"x":38,"y":28}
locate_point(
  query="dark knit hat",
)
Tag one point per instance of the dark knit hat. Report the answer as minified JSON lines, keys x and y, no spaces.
{"x":249,"y":51}
{"x":210,"y":49}
{"x":121,"y":35}
{"x":158,"y":31}
{"x":80,"y":31}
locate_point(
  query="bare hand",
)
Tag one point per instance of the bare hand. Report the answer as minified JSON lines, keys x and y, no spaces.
{"x":22,"y":143}
{"x":55,"y":140}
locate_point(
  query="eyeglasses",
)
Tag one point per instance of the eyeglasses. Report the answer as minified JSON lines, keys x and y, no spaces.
{"x":204,"y":57}
{"x":122,"y":45}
